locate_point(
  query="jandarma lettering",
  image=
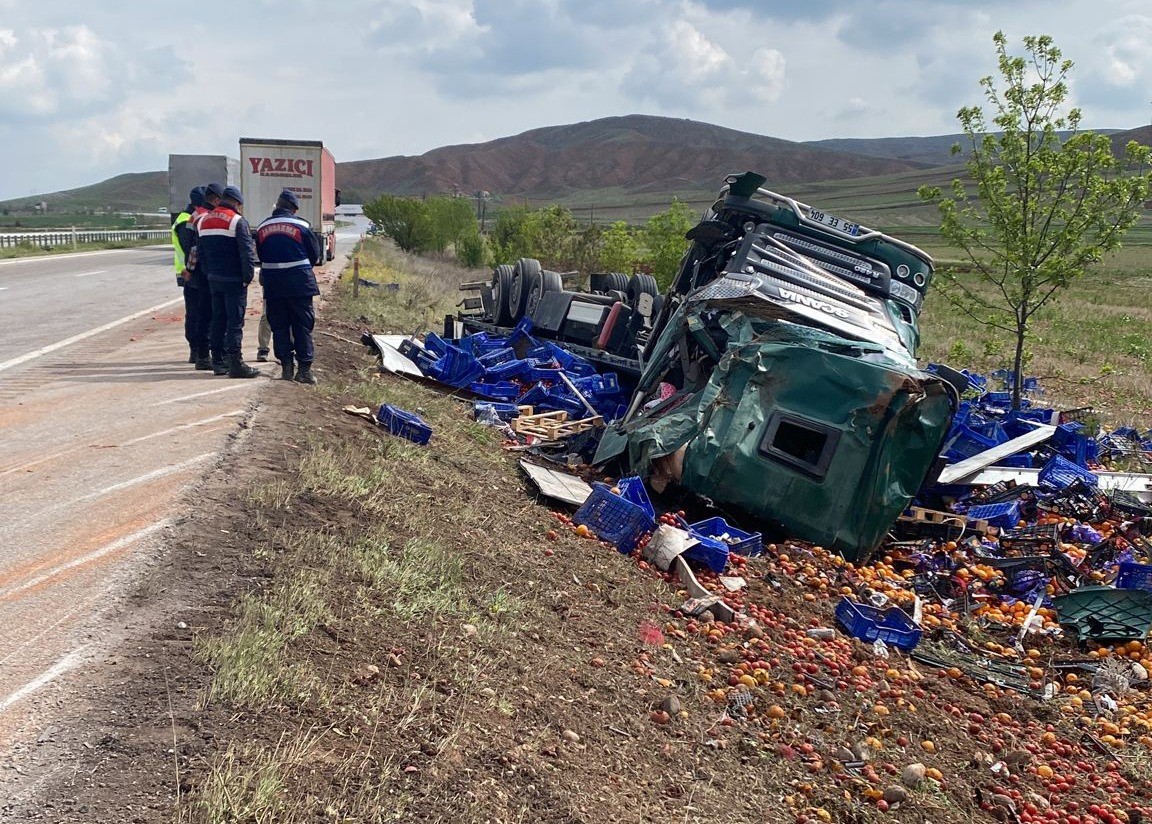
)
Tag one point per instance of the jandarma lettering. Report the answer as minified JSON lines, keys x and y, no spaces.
{"x":280,"y":229}
{"x":281,"y":166}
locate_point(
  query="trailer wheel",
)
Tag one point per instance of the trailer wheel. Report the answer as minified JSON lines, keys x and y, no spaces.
{"x":501,"y":294}
{"x":547,"y":282}
{"x":617,"y":282}
{"x":641,"y":285}
{"x":525,"y":273}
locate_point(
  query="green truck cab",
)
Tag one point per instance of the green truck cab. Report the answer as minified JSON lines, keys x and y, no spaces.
{"x":780,"y":376}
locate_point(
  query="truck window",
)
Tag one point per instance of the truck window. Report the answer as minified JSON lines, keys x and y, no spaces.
{"x":803,"y":444}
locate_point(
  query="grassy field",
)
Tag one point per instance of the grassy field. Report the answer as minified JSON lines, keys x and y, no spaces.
{"x":1091,"y":347}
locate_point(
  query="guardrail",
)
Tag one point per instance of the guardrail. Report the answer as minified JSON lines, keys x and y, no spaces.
{"x":74,"y":236}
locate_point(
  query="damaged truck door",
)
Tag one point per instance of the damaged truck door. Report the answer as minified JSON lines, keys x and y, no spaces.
{"x":781,"y":376}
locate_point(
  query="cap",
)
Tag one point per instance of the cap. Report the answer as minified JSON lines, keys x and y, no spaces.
{"x":287,"y":199}
{"x":213,"y":190}
{"x":196,"y":196}
{"x":233,"y":194}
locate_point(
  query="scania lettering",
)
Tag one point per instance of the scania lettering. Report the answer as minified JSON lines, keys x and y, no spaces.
{"x":812,"y":303}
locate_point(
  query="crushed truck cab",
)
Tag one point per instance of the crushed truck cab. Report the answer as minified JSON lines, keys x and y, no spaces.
{"x":777,"y":375}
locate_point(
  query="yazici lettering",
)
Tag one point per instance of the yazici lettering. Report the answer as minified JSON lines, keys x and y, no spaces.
{"x":281,"y":166}
{"x":812,"y":303}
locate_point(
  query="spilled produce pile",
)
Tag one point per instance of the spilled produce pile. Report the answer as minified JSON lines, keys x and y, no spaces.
{"x":1016,"y":611}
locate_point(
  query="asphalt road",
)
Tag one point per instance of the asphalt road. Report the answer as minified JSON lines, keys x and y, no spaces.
{"x":103,"y":427}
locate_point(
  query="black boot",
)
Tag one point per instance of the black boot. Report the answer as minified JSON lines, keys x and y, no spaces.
{"x":238,"y":369}
{"x":219,"y":365}
{"x":304,"y":375}
{"x":203,"y":360}
{"x":287,"y":369}
{"x":262,"y":355}
{"x":191,"y":354}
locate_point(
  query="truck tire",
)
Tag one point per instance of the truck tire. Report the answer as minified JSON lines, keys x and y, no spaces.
{"x":547,"y":282}
{"x":524,"y":275}
{"x":641,"y":285}
{"x":501,"y":292}
{"x":617,"y":282}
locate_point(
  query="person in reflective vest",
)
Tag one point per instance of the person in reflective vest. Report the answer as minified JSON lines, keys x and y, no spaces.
{"x":183,"y":241}
{"x":288,"y":249}
{"x":227,"y":255}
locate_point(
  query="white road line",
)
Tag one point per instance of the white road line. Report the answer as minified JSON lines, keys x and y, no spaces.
{"x":94,"y":555}
{"x":86,"y":274}
{"x":202,"y":394}
{"x":182,"y":426}
{"x":147,"y":476}
{"x":55,"y":671}
{"x":52,"y":347}
{"x":74,"y":255}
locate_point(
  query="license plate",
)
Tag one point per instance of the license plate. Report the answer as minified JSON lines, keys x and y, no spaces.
{"x":836,"y":224}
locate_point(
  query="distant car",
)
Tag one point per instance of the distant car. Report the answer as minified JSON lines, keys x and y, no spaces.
{"x":374,"y":229}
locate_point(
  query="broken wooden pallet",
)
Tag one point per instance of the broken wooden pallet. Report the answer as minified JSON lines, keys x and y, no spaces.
{"x":553,"y":425}
{"x":922,"y":515}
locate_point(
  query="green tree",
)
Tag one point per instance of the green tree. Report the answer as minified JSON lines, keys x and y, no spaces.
{"x":619,"y":248}
{"x":452,"y":219}
{"x":509,"y":238}
{"x":406,"y":220}
{"x":1044,"y":208}
{"x":550,"y":234}
{"x":471,"y":250}
{"x":665,"y":242}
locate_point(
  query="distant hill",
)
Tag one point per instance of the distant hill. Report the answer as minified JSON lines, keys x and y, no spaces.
{"x":636,"y":153}
{"x":133,"y":192}
{"x":608,"y":165}
{"x":935,"y":150}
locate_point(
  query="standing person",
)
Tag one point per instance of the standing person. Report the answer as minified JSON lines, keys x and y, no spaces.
{"x":183,"y":239}
{"x":212,"y":193}
{"x":227,"y":255}
{"x":288,"y":249}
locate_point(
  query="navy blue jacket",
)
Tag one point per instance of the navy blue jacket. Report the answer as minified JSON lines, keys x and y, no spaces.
{"x":225,"y":247}
{"x":288,"y":249}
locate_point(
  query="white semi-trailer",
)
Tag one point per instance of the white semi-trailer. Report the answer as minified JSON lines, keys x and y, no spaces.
{"x":187,"y":171}
{"x":304,"y":167}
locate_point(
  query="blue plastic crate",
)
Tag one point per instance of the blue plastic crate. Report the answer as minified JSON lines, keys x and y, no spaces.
{"x":1004,"y":515}
{"x":455,"y":368}
{"x":501,"y":390}
{"x":507,"y":370}
{"x":436,"y":344}
{"x":1060,"y":473}
{"x":893,"y":626}
{"x":403,"y":424}
{"x":503,"y":411}
{"x":411,"y":349}
{"x":1134,"y":576}
{"x":713,"y":554}
{"x":495,"y":357}
{"x":738,"y":541}
{"x":614,"y":519}
{"x":965,"y":442}
{"x":632,"y":489}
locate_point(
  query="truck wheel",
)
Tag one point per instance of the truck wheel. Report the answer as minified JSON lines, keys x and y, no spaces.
{"x":641,"y":285}
{"x":547,"y":282}
{"x":526,"y":272}
{"x":617,"y":282}
{"x":501,"y":289}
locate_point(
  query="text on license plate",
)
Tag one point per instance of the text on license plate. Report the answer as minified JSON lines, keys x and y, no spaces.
{"x":837,"y":224}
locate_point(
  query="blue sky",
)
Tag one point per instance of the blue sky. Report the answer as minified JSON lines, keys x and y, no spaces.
{"x":88,"y":91}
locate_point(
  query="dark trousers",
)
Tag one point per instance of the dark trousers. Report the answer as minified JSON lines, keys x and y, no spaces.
{"x":198,"y":318}
{"x":292,"y":320}
{"x":229,"y":302}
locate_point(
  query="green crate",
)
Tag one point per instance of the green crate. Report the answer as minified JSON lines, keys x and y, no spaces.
{"x":1106,"y":614}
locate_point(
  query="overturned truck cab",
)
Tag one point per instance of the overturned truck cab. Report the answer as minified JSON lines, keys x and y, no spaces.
{"x":781,"y":377}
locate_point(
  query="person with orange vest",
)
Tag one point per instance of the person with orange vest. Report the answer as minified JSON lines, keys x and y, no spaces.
{"x":227,"y":256}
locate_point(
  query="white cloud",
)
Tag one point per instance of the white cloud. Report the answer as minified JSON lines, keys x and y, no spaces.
{"x":685,"y":70}
{"x":90,"y":91}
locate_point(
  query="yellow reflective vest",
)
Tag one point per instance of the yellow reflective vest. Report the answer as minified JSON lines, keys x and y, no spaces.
{"x":177,"y":249}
